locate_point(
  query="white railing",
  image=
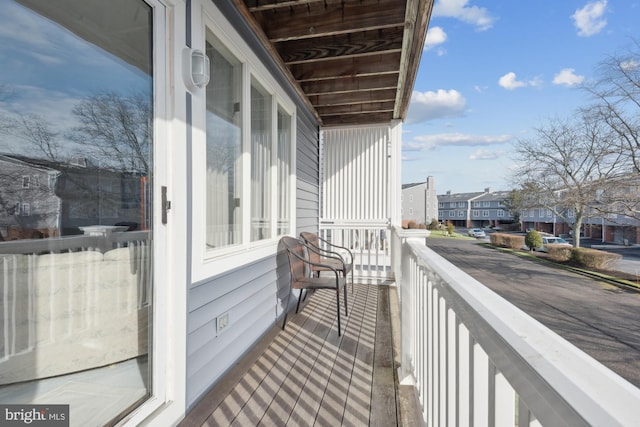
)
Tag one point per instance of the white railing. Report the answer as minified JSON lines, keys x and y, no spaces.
{"x":368,"y":241}
{"x":475,"y":359}
{"x":70,"y":299}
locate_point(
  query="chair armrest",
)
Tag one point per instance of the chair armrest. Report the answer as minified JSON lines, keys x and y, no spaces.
{"x":309,"y":262}
{"x":337,"y":246}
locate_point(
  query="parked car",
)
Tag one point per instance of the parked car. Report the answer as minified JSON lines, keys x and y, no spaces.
{"x":552,"y":240}
{"x":476,"y":232}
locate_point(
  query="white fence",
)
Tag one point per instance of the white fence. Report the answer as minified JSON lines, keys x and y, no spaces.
{"x":368,"y":241}
{"x":477,"y":360}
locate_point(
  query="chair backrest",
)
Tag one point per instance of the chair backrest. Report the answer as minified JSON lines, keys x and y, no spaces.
{"x":311,"y":239}
{"x":296,"y":265}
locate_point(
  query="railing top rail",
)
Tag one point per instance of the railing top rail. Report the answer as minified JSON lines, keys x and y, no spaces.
{"x":344,"y":223}
{"x":60,"y":244}
{"x":562,"y":384}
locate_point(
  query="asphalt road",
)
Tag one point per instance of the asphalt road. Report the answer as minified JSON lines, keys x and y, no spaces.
{"x":599,"y":318}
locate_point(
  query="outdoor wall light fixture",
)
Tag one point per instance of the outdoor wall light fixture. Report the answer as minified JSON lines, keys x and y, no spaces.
{"x":195,"y":68}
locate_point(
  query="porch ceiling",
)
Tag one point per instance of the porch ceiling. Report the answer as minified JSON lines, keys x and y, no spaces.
{"x":354,"y":61}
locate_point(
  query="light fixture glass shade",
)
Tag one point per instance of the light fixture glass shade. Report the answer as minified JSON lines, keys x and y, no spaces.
{"x":195,"y":68}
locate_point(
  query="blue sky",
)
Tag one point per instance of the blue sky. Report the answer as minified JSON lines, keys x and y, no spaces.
{"x":492,"y":71}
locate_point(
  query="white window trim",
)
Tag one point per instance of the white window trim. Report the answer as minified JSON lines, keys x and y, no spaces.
{"x":207,"y":263}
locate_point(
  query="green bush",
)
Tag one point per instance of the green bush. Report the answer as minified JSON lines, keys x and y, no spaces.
{"x":434,"y":224}
{"x":593,"y":258}
{"x":451,"y":228}
{"x":533,"y":240}
{"x":505,"y":240}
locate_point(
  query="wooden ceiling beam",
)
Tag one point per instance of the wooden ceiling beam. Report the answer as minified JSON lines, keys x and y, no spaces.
{"x":361,"y":43}
{"x":358,"y":119}
{"x":353,"y":97}
{"x":350,"y":84}
{"x":350,"y":67}
{"x":260,"y":5}
{"x":318,"y":20}
{"x":356,"y":108}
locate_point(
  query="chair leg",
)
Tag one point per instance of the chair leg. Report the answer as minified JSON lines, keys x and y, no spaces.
{"x":286,"y":310}
{"x":338,"y":308}
{"x":299,"y":299}
{"x":346,"y":312}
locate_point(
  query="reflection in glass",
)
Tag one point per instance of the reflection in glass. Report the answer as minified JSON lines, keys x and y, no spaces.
{"x":260,"y":163}
{"x":224,"y":138}
{"x":76,"y":149}
{"x":284,"y":171}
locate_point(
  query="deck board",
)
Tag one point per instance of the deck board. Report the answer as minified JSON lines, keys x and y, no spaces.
{"x":307,"y":375}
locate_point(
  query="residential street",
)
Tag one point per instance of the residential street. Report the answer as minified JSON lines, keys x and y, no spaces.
{"x":599,"y":318}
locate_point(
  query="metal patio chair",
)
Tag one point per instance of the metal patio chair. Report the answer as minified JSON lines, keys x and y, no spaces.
{"x":300,"y":268}
{"x":338,"y":257}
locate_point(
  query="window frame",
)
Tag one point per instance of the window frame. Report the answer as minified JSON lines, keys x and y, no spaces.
{"x":207,"y":262}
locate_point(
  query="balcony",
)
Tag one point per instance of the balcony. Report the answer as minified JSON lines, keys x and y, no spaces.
{"x":435,"y":347}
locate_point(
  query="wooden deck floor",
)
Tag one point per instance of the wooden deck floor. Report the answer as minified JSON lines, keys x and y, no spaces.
{"x":307,"y":375}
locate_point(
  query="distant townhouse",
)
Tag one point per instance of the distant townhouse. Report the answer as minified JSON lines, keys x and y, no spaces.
{"x":456,"y":208}
{"x":420,"y":202}
{"x":489,"y":209}
{"x":478,"y":209}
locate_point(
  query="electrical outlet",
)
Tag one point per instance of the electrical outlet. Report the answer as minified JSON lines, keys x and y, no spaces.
{"x":222,"y":322}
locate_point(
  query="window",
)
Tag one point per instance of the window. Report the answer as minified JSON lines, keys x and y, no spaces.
{"x":260,"y":163}
{"x":249,"y":154}
{"x":441,"y":204}
{"x":25,"y":182}
{"x":461,"y":204}
{"x":476,"y":204}
{"x":475,"y":213}
{"x":284,"y":171}
{"x":461,"y":214}
{"x":411,"y":197}
{"x":224,"y":147}
{"x":485,"y":214}
{"x":500,"y":213}
{"x":452,"y":213}
{"x":486,"y":203}
{"x":411,"y":211}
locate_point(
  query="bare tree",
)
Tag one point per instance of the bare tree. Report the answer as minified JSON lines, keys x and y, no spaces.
{"x":118,"y":127}
{"x":617,"y":95}
{"x":565,"y":167}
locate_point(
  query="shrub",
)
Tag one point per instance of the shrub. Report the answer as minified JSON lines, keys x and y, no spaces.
{"x":450,"y":228}
{"x":434,"y":225}
{"x":533,"y":240}
{"x":412,"y":225}
{"x":593,"y":258}
{"x":506,"y":240}
{"x":559,"y":252}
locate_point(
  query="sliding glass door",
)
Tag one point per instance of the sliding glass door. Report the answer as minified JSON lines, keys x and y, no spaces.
{"x":76,"y":174}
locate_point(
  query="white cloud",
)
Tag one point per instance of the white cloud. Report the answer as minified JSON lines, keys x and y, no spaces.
{"x":429,"y":142}
{"x":567,"y":77}
{"x":510,"y":81}
{"x":435,"y":36}
{"x":434,"y":105}
{"x":630,"y":65}
{"x":482,"y":154}
{"x":589,"y":20}
{"x":459,"y":9}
